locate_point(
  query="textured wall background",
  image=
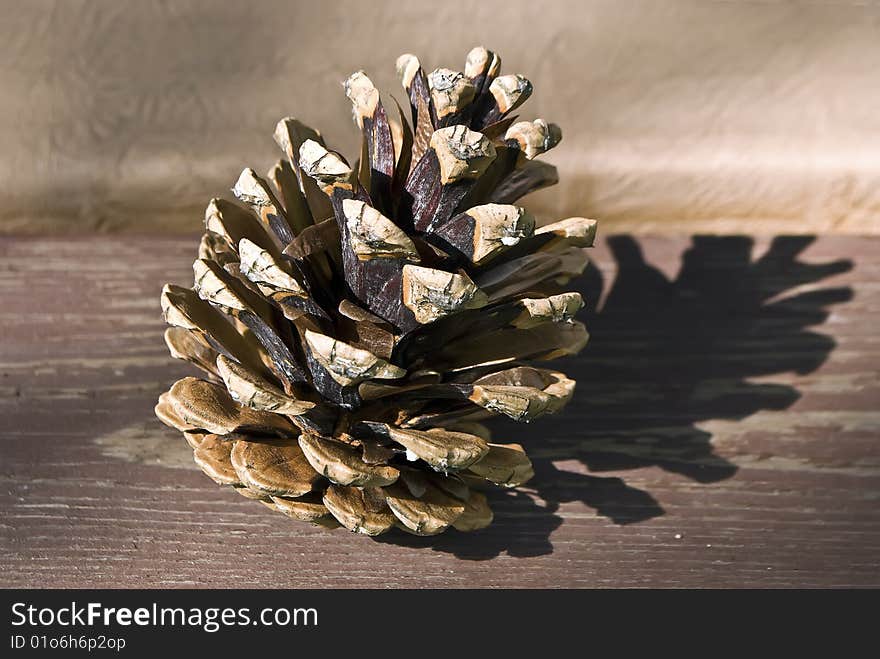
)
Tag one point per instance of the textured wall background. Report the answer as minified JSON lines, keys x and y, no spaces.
{"x":694,"y":115}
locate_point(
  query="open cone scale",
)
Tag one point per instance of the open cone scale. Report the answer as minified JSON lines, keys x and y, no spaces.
{"x":355,"y":325}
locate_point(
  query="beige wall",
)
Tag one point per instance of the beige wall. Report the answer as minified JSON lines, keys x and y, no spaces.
{"x":676,"y":114}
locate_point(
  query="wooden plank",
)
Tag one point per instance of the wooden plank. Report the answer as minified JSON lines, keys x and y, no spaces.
{"x":716,"y":438}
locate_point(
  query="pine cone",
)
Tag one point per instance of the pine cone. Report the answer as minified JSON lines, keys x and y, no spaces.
{"x":356,"y":325}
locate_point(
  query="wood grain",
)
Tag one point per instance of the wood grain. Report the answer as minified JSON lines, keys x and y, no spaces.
{"x":724,"y":432}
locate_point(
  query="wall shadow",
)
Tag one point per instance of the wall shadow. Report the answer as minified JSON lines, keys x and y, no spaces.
{"x":664,"y":355}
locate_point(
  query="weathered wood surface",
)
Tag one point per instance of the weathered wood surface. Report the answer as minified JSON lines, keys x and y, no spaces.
{"x":724,"y":432}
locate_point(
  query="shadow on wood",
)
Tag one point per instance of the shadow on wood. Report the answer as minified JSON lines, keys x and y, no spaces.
{"x":664,"y":356}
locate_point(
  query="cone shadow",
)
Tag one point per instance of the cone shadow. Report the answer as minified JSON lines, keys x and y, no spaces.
{"x":664,"y":355}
